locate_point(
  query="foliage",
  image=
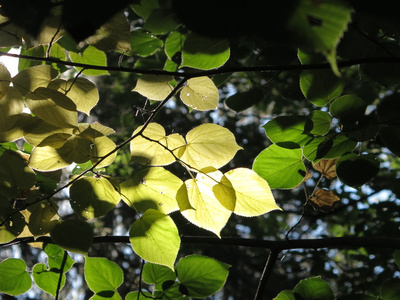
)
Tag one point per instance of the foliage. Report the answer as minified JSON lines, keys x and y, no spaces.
{"x":310,"y":71}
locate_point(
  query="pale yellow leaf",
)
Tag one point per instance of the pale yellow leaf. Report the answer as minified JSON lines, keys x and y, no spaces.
{"x":152,"y":149}
{"x":207,"y":212}
{"x":30,"y":79}
{"x":50,"y":159}
{"x":5,"y":79}
{"x":100,"y":148}
{"x":80,"y":90}
{"x":36,"y":130}
{"x":253,"y":194}
{"x":200,"y":94}
{"x":53,"y":107}
{"x":208,"y":145}
{"x":154,"y":188}
{"x":154,"y":87}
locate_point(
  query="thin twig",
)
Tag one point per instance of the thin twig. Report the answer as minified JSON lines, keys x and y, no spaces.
{"x":61,"y":274}
{"x":269,"y":266}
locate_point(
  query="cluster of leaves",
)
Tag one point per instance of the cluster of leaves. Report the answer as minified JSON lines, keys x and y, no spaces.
{"x":41,"y":132}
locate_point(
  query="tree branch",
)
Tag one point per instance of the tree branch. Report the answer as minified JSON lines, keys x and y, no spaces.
{"x":223,"y":70}
{"x":335,"y":242}
{"x":269,"y":266}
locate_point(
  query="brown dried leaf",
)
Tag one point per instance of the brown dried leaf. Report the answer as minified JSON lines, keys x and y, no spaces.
{"x":326,"y":167}
{"x":324,"y":199}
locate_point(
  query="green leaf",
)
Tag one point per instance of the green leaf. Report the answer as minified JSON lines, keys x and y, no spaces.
{"x":289,"y":131}
{"x":313,"y":289}
{"x":154,"y":188}
{"x":46,"y":279}
{"x":14,"y":279}
{"x":397,"y":258}
{"x":144,"y":8}
{"x":321,"y":121}
{"x":155,"y":238}
{"x":157,"y":274}
{"x":144,"y":43}
{"x":202,"y":276}
{"x":281,"y":168}
{"x":348,"y":108}
{"x":174,"y":44}
{"x":53,"y":107}
{"x":355,"y":170}
{"x":138,"y":296}
{"x":11,"y":104}
{"x":388,"y":112}
{"x":55,"y":255}
{"x":102,"y":275}
{"x":30,"y":79}
{"x":160,"y":22}
{"x":14,"y":222}
{"x":90,"y":56}
{"x":204,"y":53}
{"x":93,"y":197}
{"x":391,"y":289}
{"x":285,"y":295}
{"x":320,"y":86}
{"x":73,"y":235}
{"x":241,"y":101}
{"x":200,"y":94}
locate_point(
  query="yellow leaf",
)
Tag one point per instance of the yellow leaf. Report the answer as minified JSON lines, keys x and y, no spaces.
{"x":253,"y":194}
{"x":200,"y":94}
{"x":207,"y":211}
{"x":154,"y":188}
{"x":324,"y":199}
{"x":30,"y":79}
{"x":152,"y":149}
{"x":53,"y":107}
{"x":208,"y":145}
{"x":154,"y":87}
{"x":11,"y":104}
{"x":80,"y":90}
{"x":5,"y":79}
{"x":100,"y":147}
{"x":50,"y":159}
{"x":326,"y":167}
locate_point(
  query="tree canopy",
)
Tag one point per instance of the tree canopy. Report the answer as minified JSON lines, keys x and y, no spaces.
{"x":200,"y":149}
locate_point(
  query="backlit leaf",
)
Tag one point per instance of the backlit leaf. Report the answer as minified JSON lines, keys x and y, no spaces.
{"x":30,"y":79}
{"x":207,"y":211}
{"x":14,"y":222}
{"x":154,"y":87}
{"x":43,"y":217}
{"x":53,"y":107}
{"x":157,"y":274}
{"x":93,"y":197}
{"x":204,"y":53}
{"x":348,"y":108}
{"x":14,"y":279}
{"x":253,"y":195}
{"x":288,"y":131}
{"x":144,"y":43}
{"x":10,"y":104}
{"x":281,"y":168}
{"x":154,"y":188}
{"x":174,"y":43}
{"x":160,"y":22}
{"x":80,"y":90}
{"x":50,"y":159}
{"x":314,"y":289}
{"x":202,"y":276}
{"x":47,"y":280}
{"x":90,"y":56}
{"x":5,"y":79}
{"x":152,"y":149}
{"x":102,"y":275}
{"x":200,"y":94}
{"x":208,"y":145}
{"x":321,"y":121}
{"x":154,"y":237}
